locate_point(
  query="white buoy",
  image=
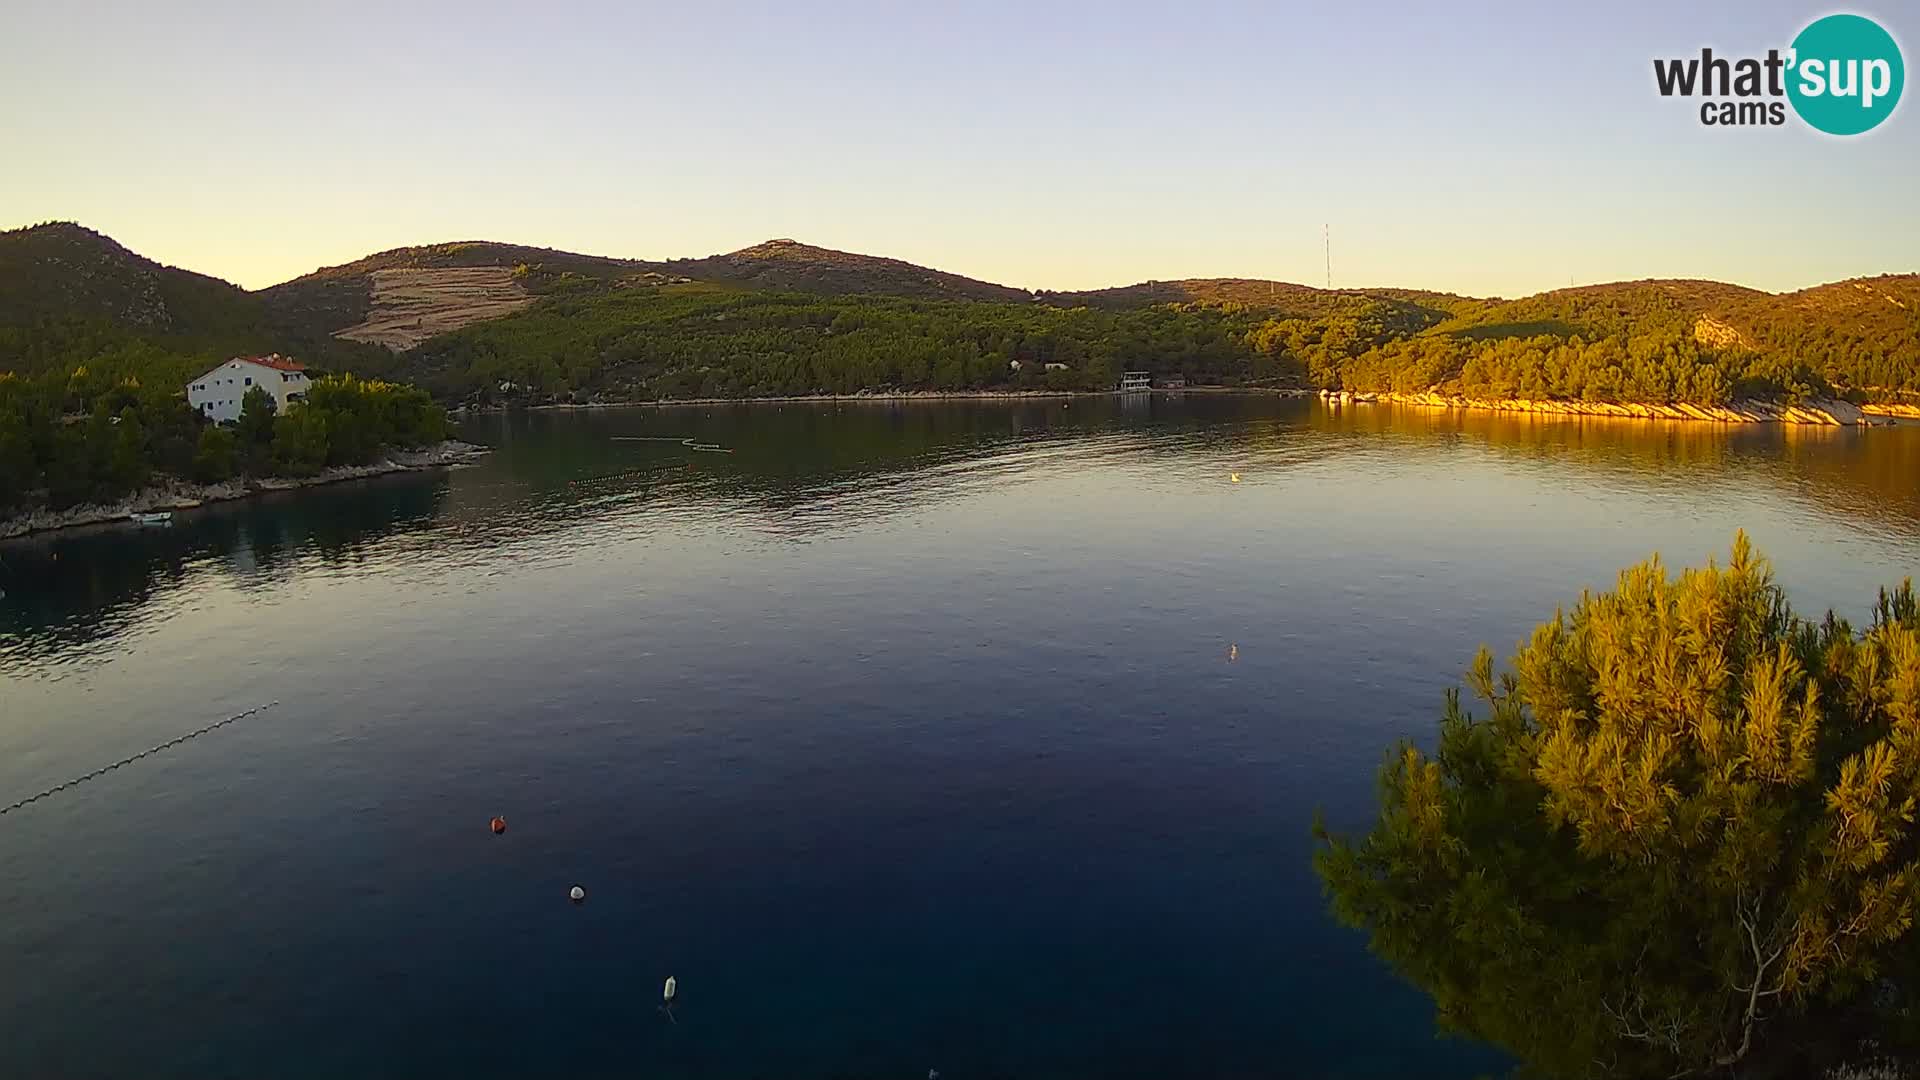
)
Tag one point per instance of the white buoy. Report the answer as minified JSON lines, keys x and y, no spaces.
{"x":576,"y":894}
{"x":667,"y":994}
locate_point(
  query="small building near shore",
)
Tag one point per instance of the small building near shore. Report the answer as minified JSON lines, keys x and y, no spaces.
{"x":1136,"y":380}
{"x":1174,"y":382}
{"x":218,"y":394}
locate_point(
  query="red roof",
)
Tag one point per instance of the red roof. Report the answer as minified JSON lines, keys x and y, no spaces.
{"x":274,"y":361}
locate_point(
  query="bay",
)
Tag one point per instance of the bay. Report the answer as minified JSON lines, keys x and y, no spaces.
{"x":973,"y":736}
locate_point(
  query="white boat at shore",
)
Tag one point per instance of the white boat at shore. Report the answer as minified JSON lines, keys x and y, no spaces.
{"x":163,"y":517}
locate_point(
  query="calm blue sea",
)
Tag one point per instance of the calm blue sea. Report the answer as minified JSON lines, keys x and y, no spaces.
{"x":974,"y":737}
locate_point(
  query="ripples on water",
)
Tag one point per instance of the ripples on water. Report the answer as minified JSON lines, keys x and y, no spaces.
{"x":978,"y":737}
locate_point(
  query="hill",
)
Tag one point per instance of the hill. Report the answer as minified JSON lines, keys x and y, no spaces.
{"x":400,"y":297}
{"x":1304,"y":300}
{"x":1657,"y":342}
{"x":477,"y":319}
{"x":789,"y":264}
{"x":70,"y":296}
{"x":62,"y":271}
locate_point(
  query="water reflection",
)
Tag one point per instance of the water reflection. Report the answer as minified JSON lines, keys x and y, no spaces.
{"x":1871,"y":473}
{"x":802,"y":471}
{"x":894,"y":699}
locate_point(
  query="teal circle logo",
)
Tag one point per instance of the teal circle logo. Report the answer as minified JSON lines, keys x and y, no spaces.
{"x":1845,"y":74}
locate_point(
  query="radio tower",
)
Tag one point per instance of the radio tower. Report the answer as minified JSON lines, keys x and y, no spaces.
{"x":1326,"y":241}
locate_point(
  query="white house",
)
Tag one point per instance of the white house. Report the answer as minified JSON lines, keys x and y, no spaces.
{"x":217,"y":395}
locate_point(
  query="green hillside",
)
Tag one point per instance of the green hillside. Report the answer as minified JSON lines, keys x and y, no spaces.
{"x":1643,"y":342}
{"x":70,"y":296}
{"x":789,"y":264}
{"x":487,"y":321}
{"x":704,"y":340}
{"x":1646,"y":341}
{"x":1281,"y":296}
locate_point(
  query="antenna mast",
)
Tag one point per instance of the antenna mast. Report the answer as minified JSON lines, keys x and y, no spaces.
{"x":1326,"y":241}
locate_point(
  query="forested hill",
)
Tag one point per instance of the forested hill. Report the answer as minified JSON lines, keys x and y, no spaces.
{"x":1249,"y":292}
{"x":1654,"y":342}
{"x":70,"y":296}
{"x":62,"y":271}
{"x":789,"y":264}
{"x":486,"y":321}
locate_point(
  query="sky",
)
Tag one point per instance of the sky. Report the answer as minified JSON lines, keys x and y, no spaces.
{"x":1481,"y":148}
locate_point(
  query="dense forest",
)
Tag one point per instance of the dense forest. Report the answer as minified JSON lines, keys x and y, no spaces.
{"x":1645,"y":342}
{"x":703,"y":340}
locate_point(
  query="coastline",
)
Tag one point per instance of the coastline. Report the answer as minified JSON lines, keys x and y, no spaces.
{"x":181,"y":495}
{"x":1820,"y":412}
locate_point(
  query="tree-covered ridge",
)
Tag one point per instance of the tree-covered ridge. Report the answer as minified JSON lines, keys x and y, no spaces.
{"x":1681,"y":841}
{"x":701,"y":340}
{"x":1259,"y":293}
{"x":1643,"y":342}
{"x":1651,"y":342}
{"x":342,"y":296}
{"x":70,"y":296}
{"x":63,"y":272}
{"x":789,"y":264}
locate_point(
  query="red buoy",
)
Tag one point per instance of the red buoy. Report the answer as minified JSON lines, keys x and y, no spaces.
{"x":499,"y":825}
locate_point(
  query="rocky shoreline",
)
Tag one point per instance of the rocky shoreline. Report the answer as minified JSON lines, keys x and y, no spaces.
{"x":1824,"y":412}
{"x":180,"y":495}
{"x":798,"y":399}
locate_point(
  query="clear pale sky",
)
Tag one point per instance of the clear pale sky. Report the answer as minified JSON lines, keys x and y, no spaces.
{"x":1494,"y":148}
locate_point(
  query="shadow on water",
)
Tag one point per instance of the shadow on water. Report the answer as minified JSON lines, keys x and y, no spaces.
{"x":82,"y":585}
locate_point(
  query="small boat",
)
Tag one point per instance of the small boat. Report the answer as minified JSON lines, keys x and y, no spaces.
{"x":163,"y":517}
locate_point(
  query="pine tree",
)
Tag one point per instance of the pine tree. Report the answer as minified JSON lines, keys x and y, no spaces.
{"x":1681,"y":841}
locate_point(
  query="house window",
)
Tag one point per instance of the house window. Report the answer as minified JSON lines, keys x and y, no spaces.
{"x":249,"y":380}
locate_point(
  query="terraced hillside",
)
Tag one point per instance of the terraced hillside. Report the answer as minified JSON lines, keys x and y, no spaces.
{"x":409,"y":306}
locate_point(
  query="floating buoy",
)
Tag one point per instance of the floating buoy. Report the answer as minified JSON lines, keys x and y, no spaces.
{"x":1233,"y":653}
{"x":670,"y":991}
{"x":577,"y":894}
{"x":498,"y":825}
